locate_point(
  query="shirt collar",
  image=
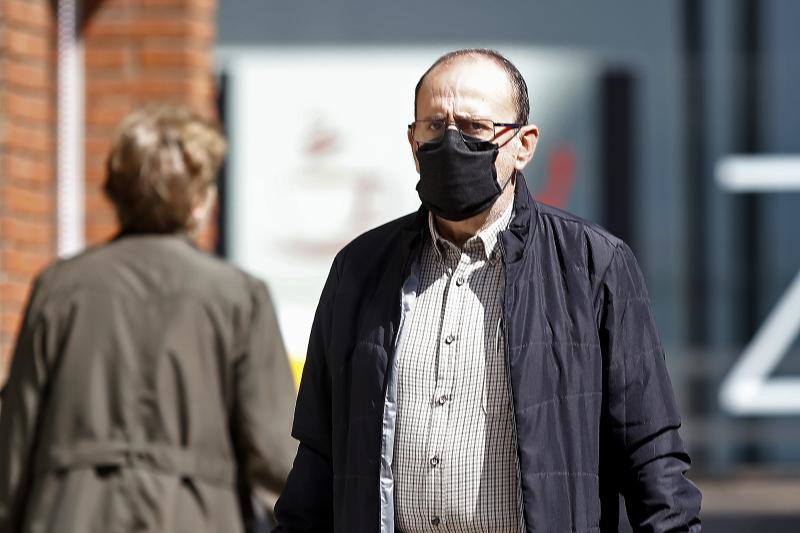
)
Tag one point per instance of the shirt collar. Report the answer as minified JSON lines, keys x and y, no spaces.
{"x":488,"y":236}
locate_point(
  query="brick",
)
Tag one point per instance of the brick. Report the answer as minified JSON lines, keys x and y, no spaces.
{"x":95,"y":175}
{"x":14,"y":292}
{"x":202,"y":96}
{"x":16,"y":231}
{"x":176,"y":27}
{"x":97,"y":146}
{"x":27,"y":75}
{"x":114,"y":58}
{"x":23,"y":201}
{"x":17,"y":167}
{"x":96,"y":163}
{"x":161,"y":57}
{"x":105,"y":218}
{"x":35,"y":15}
{"x":210,"y":5}
{"x":202,"y":5}
{"x":24,"y":44}
{"x":29,"y":138}
{"x":98,"y":160}
{"x":24,"y":262}
{"x":103,"y":29}
{"x":99,"y":233}
{"x":108,"y":115}
{"x":99,"y":87}
{"x":149,"y":27}
{"x":10,"y":323}
{"x":162,"y":89}
{"x":29,"y":107}
{"x":96,"y":203}
{"x":116,"y":7}
{"x":150,"y":5}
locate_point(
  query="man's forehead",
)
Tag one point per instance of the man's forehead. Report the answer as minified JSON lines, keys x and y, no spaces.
{"x":472,"y":81}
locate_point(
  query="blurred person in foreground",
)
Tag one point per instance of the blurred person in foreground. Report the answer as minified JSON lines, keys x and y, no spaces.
{"x":488,"y":363}
{"x":150,"y":389}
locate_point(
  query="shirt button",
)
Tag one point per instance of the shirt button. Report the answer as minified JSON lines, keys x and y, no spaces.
{"x":449,"y":339}
{"x":442,"y":399}
{"x":435,"y":521}
{"x":434,"y":461}
{"x":459,"y":282}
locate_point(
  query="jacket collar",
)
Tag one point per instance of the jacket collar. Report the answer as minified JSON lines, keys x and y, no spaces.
{"x":485,"y":241}
{"x":181,"y":237}
{"x":519,"y":235}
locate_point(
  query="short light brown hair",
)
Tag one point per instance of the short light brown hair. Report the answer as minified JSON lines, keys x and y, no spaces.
{"x":162,"y":161}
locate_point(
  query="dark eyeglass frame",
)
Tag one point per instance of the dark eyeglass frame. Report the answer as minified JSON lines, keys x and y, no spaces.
{"x":511,"y":125}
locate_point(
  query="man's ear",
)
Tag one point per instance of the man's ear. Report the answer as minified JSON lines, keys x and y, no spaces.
{"x":202,"y":208}
{"x":413,"y":145}
{"x":528,"y":137}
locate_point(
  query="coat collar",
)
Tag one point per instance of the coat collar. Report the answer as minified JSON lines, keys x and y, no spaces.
{"x":519,"y":235}
{"x":180,"y":237}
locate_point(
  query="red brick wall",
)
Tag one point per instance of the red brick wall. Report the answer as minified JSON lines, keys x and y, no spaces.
{"x":136,"y":52}
{"x":27,"y":155}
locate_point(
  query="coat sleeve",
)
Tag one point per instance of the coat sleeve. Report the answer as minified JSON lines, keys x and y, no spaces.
{"x":306,"y":504}
{"x":643,"y":415}
{"x":23,"y":399}
{"x":263,"y":405}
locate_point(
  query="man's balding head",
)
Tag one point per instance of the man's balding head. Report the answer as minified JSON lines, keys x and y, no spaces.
{"x":517,"y":85}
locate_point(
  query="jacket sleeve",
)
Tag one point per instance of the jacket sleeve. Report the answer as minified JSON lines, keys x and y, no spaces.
{"x":643,"y":415}
{"x":20,"y":411}
{"x":306,"y":504}
{"x":264,"y":397}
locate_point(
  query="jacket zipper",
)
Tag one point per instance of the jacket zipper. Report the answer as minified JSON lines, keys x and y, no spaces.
{"x":511,"y":386}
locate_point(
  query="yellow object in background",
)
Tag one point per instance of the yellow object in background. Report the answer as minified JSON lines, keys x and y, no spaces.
{"x":296,"y":364}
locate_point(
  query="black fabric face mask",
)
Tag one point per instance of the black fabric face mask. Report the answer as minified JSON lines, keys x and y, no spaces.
{"x":457,"y":179}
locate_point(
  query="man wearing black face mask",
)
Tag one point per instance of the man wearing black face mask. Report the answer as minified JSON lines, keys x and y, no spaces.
{"x":487,"y":363}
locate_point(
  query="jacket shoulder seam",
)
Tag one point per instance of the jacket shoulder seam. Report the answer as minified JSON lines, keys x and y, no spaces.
{"x":610,"y":240}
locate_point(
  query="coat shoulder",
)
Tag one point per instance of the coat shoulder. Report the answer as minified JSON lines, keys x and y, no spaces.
{"x":586,"y":243}
{"x":146,"y":267}
{"x":376,"y":242}
{"x":555,"y":217}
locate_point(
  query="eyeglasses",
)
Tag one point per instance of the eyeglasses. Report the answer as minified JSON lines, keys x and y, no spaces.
{"x":432,"y":130}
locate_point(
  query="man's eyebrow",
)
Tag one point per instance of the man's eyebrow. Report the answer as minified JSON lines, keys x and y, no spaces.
{"x":458,"y":116}
{"x":469,"y":116}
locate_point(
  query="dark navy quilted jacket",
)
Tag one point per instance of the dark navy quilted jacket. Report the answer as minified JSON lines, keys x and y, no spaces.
{"x":594,"y":408}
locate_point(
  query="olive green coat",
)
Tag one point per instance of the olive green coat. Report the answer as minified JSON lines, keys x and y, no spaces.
{"x":149,"y":391}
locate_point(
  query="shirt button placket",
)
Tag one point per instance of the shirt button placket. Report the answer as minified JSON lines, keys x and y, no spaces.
{"x":452,"y":318}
